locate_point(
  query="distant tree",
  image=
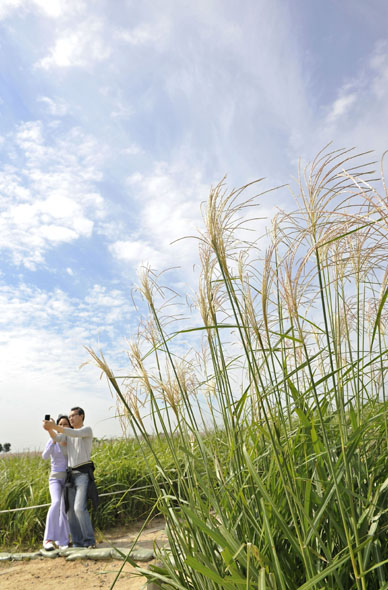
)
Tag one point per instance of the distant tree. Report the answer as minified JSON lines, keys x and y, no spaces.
{"x":1,"y":448}
{"x":6,"y":447}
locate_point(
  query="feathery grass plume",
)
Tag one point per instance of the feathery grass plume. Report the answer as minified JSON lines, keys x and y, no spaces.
{"x":209,"y":298}
{"x":277,"y":429}
{"x":170,"y":388}
{"x":139,"y":370}
{"x":135,"y":401}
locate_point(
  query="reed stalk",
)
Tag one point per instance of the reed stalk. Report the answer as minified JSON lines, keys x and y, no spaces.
{"x":278,"y":430}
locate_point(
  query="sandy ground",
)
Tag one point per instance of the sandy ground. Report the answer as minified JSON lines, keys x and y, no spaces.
{"x":45,"y":574}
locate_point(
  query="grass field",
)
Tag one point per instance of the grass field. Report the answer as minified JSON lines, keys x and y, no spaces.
{"x":120,"y":465}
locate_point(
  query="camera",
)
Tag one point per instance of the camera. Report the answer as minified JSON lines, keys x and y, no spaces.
{"x":47,"y":417}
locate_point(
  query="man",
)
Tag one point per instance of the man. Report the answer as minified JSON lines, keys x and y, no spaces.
{"x":79,"y":440}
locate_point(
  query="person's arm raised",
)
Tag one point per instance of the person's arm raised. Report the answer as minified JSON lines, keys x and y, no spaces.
{"x":83,"y":432}
{"x":53,"y":429}
{"x":48,"y":425}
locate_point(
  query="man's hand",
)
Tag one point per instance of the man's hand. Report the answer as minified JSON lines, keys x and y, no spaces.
{"x":48,"y":424}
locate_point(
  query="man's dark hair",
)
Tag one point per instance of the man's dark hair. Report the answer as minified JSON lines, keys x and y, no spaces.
{"x":79,"y":410}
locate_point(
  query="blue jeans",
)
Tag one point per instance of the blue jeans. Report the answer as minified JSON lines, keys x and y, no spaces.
{"x":81,"y":529}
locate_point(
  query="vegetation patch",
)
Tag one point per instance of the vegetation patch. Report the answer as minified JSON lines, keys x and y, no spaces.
{"x":273,"y":391}
{"x":122,"y":472}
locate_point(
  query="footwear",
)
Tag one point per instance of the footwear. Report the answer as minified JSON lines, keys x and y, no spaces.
{"x":92,"y":547}
{"x":63,"y":547}
{"x":48,"y":545}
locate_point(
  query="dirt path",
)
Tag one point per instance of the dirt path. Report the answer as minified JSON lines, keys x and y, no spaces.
{"x":45,"y":574}
{"x":77,"y":575}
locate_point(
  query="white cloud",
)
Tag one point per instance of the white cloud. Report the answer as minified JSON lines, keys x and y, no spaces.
{"x":169,"y":209}
{"x":48,"y":196}
{"x":379,"y":68}
{"x":132,"y":150}
{"x":138,"y":252}
{"x":146,"y":33}
{"x":50,"y":8}
{"x":42,"y":339}
{"x":59,"y":8}
{"x":357,"y":115}
{"x":32,"y":313}
{"x":29,"y":138}
{"x":341,"y":106}
{"x":122,"y":111}
{"x":57,"y":107}
{"x":79,"y":47}
{"x":7,"y":7}
{"x":57,"y":234}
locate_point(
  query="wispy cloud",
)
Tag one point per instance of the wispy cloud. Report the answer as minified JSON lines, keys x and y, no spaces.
{"x":47,"y":192}
{"x":341,"y":106}
{"x":155,"y":33}
{"x":59,"y":8}
{"x":78,"y":48}
{"x":42,"y":338}
{"x":50,"y":328}
{"x":56,"y":107}
{"x":356,"y":115}
{"x":50,"y":8}
{"x":379,"y":67}
{"x":168,"y":209}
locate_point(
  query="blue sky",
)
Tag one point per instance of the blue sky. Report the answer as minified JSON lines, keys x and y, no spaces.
{"x":116,"y":117}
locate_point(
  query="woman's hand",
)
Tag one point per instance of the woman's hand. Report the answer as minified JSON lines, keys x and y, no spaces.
{"x":48,"y":424}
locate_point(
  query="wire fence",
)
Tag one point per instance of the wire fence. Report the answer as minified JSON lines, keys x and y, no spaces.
{"x":99,"y":495}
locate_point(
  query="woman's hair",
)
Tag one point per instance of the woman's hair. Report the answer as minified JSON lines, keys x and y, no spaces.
{"x":61,"y":416}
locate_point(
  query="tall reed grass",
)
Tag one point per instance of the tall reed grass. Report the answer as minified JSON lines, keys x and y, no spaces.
{"x":281,"y":412}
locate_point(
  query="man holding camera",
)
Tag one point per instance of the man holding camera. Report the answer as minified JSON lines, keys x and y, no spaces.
{"x":80,"y":480}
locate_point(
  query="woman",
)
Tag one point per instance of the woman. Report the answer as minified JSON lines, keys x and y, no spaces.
{"x":57,"y":527}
